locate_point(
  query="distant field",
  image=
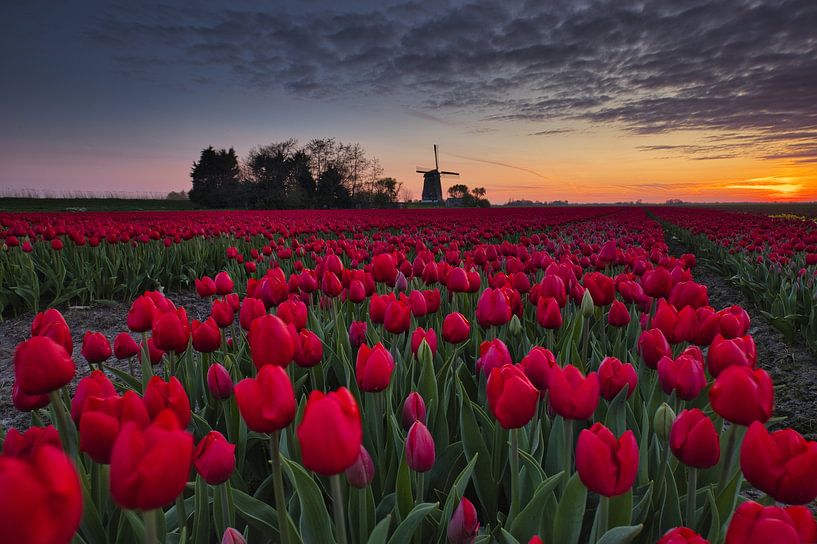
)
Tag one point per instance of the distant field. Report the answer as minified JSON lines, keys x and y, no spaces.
{"x":808,"y":209}
{"x":9,"y":204}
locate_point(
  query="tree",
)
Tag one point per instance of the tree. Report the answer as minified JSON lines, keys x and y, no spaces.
{"x":216,"y":178}
{"x":458,"y":191}
{"x":331,"y":192}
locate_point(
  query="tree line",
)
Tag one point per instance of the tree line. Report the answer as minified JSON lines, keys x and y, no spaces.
{"x":323,"y":173}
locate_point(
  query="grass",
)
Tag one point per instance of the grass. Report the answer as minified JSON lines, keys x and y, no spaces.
{"x":14,"y":204}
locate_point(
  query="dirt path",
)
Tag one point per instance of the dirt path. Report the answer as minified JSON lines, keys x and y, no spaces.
{"x":109,"y":320}
{"x":793,"y":368}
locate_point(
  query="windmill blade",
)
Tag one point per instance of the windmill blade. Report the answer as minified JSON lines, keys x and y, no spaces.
{"x":444,"y":173}
{"x":422,"y":170}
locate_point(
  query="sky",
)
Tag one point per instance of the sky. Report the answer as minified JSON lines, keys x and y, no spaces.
{"x":586,"y":101}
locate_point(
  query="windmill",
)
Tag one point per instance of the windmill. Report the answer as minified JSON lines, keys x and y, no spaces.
{"x":432,"y":186}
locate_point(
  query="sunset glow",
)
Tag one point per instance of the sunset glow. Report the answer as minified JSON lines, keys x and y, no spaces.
{"x":111,"y":97}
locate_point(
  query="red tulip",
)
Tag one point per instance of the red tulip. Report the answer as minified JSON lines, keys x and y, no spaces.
{"x":96,"y":384}
{"x":219,"y":382}
{"x":742,"y":395}
{"x":492,"y":354}
{"x":420,"y":454}
{"x":27,"y":403}
{"x":666,"y":320}
{"x":41,"y":498}
{"x":384,"y":268}
{"x":464,"y":525}
{"x":95,"y":347}
{"x":378,"y":305}
{"x":271,"y":342}
{"x":512,"y":398}
{"x":206,"y":335}
{"x":330,"y":432}
{"x":124,"y":346}
{"x":537,"y":365}
{"x":614,"y":376}
{"x":150,"y":467}
{"x":222,"y":313}
{"x":734,"y":322}
{"x":251,"y":308}
{"x":224,"y":283}
{"x":548,"y":314}
{"x":161,"y":395}
{"x":17,"y":444}
{"x":782,"y":464}
{"x":619,"y":315}
{"x":572,"y":395}
{"x":601,"y":287}
{"x":308,"y":349}
{"x":52,"y":324}
{"x":724,"y":353}
{"x":266,"y":402}
{"x":755,"y":524}
{"x":232,"y":536}
{"x":361,"y":473}
{"x":653,"y":346}
{"x":331,"y":285}
{"x":140,"y":315}
{"x":605,"y":465}
{"x":397,"y":318}
{"x":205,"y":287}
{"x":214,"y":458}
{"x":456,"y":328}
{"x":684,"y":374}
{"x":373,"y":368}
{"x":493,"y":308}
{"x":414,"y":409}
{"x":102,"y":419}
{"x":41,"y":365}
{"x":657,"y":282}
{"x":171,"y":331}
{"x":357,"y":333}
{"x":694,"y":440}
{"x":682,"y":535}
{"x":421,"y":334}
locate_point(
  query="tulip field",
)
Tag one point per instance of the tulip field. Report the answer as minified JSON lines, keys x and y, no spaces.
{"x":509,"y":375}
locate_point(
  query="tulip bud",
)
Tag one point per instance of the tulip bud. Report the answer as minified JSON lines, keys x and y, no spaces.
{"x":401,"y":283}
{"x":662,"y":422}
{"x":587,"y":306}
{"x":420,"y":453}
{"x":357,"y":333}
{"x":219,"y":382}
{"x":414,"y":409}
{"x":361,"y":473}
{"x":515,"y":326}
{"x":214,"y":458}
{"x":232,"y":536}
{"x":464,"y":525}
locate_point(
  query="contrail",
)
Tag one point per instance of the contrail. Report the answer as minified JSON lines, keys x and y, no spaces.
{"x":506,"y":165}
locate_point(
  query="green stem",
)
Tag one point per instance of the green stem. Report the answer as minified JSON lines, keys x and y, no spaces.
{"x":151,"y":529}
{"x":514,"y":475}
{"x":662,"y":470}
{"x":728,"y":456}
{"x":363,"y":514}
{"x":692,"y":488}
{"x":420,"y":487}
{"x":147,"y":367}
{"x":604,"y":515}
{"x":181,"y":511}
{"x":568,"y":425}
{"x":225,"y":508}
{"x":278,"y":487}
{"x":62,"y":422}
{"x":337,"y":506}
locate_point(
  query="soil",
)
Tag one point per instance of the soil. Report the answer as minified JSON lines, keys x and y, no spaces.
{"x":793,"y":368}
{"x":109,"y":320}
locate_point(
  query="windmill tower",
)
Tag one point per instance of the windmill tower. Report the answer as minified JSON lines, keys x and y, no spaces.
{"x":432,"y":184}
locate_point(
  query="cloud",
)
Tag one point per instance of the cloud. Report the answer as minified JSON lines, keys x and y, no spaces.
{"x":739,"y":67}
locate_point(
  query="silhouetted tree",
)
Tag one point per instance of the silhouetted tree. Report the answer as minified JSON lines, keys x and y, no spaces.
{"x":216,"y":178}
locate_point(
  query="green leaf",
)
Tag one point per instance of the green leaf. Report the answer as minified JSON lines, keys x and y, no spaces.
{"x":380,"y":531}
{"x":570,"y":512}
{"x":455,"y":496}
{"x":621,"y":535}
{"x":475,"y":448}
{"x":529,"y":520}
{"x":256,"y":513}
{"x":405,"y":531}
{"x":405,"y":499}
{"x":315,"y":524}
{"x":621,"y":510}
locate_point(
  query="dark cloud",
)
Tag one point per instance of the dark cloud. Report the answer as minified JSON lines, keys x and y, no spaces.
{"x":740,"y":67}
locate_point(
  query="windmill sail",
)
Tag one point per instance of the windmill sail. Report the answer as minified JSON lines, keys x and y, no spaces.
{"x":432,"y":184}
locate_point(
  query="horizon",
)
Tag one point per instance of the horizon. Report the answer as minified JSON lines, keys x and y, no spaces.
{"x":589,"y":102}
